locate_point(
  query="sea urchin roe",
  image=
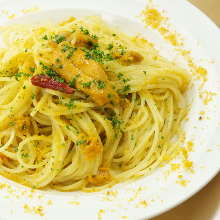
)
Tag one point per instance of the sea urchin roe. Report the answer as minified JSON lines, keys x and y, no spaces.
{"x":131,"y":57}
{"x":92,"y":148}
{"x":83,"y":40}
{"x":103,"y":176}
{"x":79,"y":70}
{"x":153,"y":18}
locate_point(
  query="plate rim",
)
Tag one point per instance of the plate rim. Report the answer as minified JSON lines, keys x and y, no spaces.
{"x":215,"y":172}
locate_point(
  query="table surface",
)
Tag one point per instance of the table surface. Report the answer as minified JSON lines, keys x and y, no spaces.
{"x":205,"y":205}
{"x":209,"y":7}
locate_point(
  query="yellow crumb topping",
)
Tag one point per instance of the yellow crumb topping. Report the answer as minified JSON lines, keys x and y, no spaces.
{"x":206,"y":96}
{"x":12,"y":16}
{"x":69,"y":20}
{"x":182,"y":182}
{"x":153,"y":18}
{"x":3,"y":185}
{"x":74,"y":203}
{"x":143,"y":203}
{"x":112,"y":193}
{"x":189,"y":146}
{"x":50,"y":202}
{"x":100,"y":214}
{"x":175,"y":166}
{"x":34,"y":210}
{"x":188,"y":164}
{"x":30,"y":10}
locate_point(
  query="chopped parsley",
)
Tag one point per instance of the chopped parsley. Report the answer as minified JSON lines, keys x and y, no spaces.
{"x":45,"y":37}
{"x":145,"y":73}
{"x":84,"y":30}
{"x":113,"y":35}
{"x":32,"y":69}
{"x":97,"y":55}
{"x":57,"y":60}
{"x":59,"y":79}
{"x":33,"y":96}
{"x":20,"y":74}
{"x":122,"y":78}
{"x":70,"y":104}
{"x":100,"y":84}
{"x":59,"y":38}
{"x":124,"y":90}
{"x":70,"y":52}
{"x":109,"y":95}
{"x":87,"y":84}
{"x":24,"y":87}
{"x":11,"y":124}
{"x":25,"y":155}
{"x":69,"y":49}
{"x":65,"y":48}
{"x":122,"y":50}
{"x":51,"y":73}
{"x":73,"y":81}
{"x":110,"y":46}
{"x":80,"y":142}
{"x":116,"y":123}
{"x":68,"y":127}
{"x":95,"y":37}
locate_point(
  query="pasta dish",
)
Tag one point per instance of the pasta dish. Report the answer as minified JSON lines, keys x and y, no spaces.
{"x":85,"y":106}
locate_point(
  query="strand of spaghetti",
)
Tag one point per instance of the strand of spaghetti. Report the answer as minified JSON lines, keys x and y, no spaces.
{"x":32,"y":154}
{"x":68,"y":141}
{"x":10,"y":140}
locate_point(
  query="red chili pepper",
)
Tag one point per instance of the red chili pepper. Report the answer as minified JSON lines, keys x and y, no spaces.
{"x":45,"y":81}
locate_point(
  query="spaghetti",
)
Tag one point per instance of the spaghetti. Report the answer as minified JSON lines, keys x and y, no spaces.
{"x":84,"y":106}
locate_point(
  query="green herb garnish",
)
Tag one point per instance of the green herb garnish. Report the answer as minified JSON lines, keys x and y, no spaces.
{"x":11,"y":123}
{"x":87,"y":84}
{"x":97,"y":55}
{"x":80,"y":142}
{"x":70,"y":104}
{"x":25,"y":155}
{"x":20,"y":74}
{"x":100,"y":84}
{"x":59,"y":38}
{"x":33,"y":96}
{"x":32,"y":69}
{"x":73,"y":81}
{"x":116,"y":123}
{"x":51,"y":73}
{"x":84,"y":31}
{"x":45,"y":37}
{"x":124,"y":90}
{"x":110,"y":46}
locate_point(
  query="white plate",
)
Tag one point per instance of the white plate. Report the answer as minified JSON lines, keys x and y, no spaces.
{"x":160,"y":191}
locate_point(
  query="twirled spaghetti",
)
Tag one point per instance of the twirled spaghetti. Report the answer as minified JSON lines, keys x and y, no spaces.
{"x":83,"y":105}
